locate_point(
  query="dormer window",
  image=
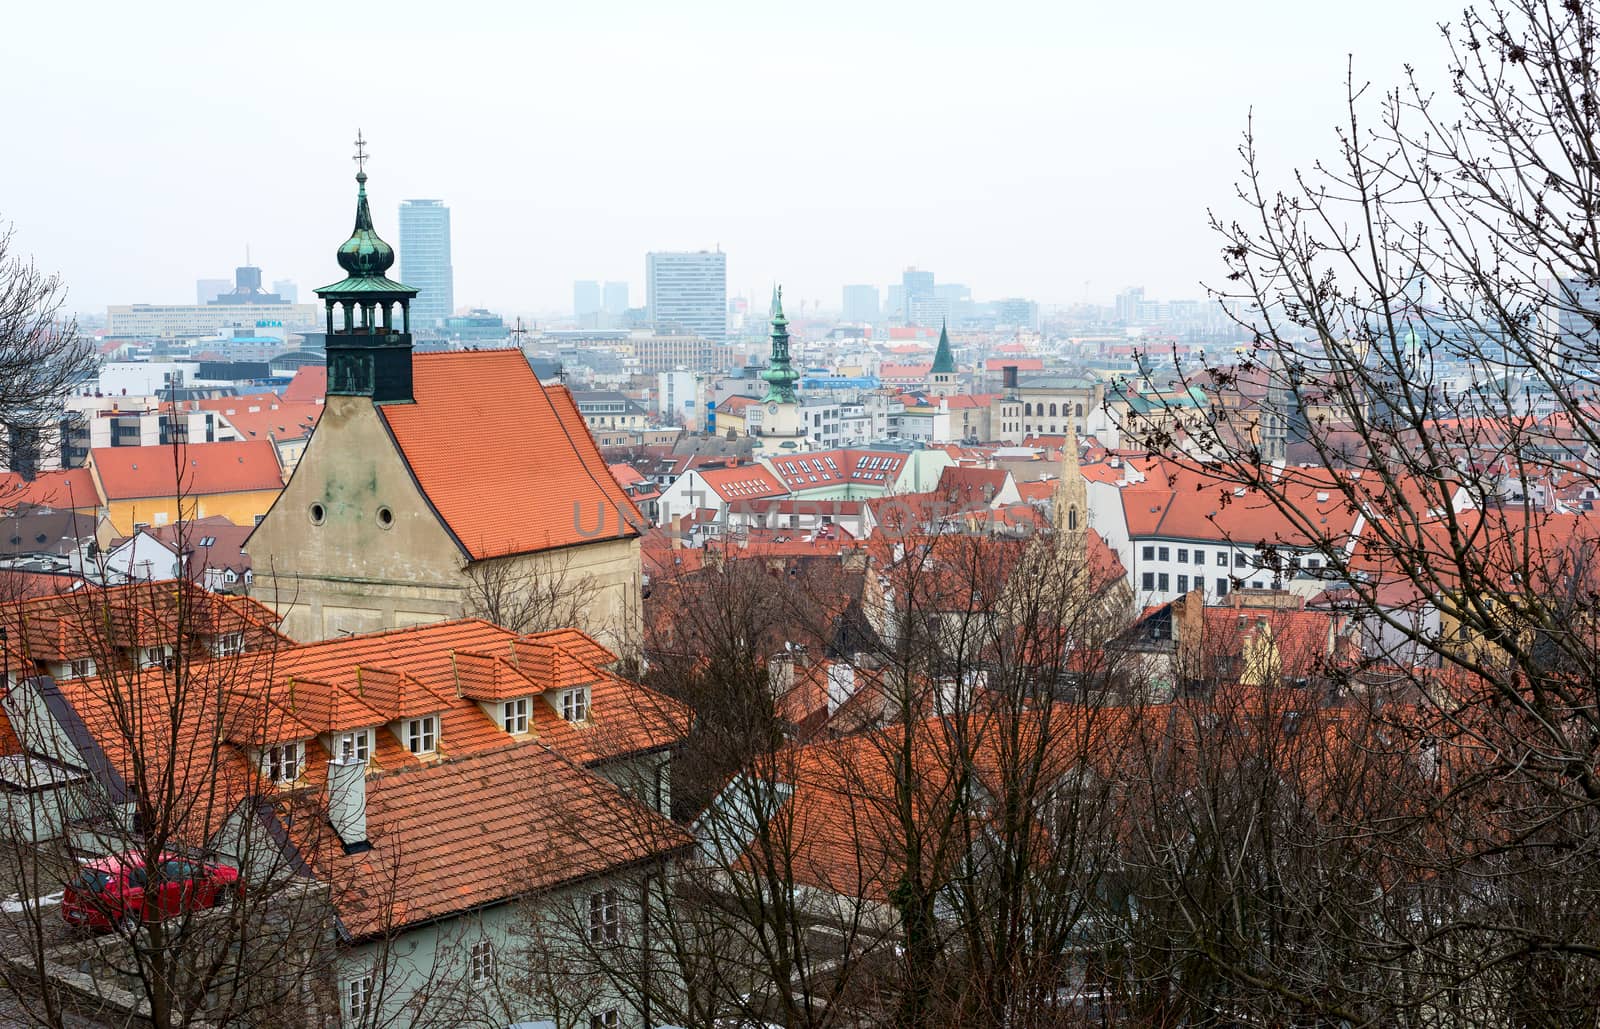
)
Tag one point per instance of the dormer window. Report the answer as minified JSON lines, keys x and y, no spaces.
{"x":283,"y":762}
{"x":514,"y":716}
{"x":82,"y":668}
{"x":573,"y":704}
{"x":228,"y":644}
{"x":358,"y":744}
{"x":422,"y":734}
{"x":149,"y":657}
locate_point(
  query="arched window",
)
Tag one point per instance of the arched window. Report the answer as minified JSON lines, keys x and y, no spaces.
{"x":1027,"y":409}
{"x":1079,"y":411}
{"x":1072,"y":519}
{"x":1052,"y":410}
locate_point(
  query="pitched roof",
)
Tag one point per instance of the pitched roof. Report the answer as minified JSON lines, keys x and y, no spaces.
{"x":128,"y":473}
{"x":309,"y":385}
{"x":745,"y":482}
{"x":837,"y":467}
{"x":69,"y":488}
{"x":488,"y":828}
{"x":965,"y":485}
{"x":267,"y":417}
{"x":508,"y":463}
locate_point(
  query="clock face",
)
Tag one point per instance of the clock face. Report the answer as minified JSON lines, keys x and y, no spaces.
{"x":772,"y":408}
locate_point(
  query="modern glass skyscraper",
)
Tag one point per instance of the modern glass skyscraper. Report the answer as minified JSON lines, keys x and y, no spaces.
{"x":861,"y":303}
{"x":688,"y":292}
{"x":586,"y":302}
{"x":425,"y":262}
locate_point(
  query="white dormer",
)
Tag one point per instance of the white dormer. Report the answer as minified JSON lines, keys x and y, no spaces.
{"x":572,"y":704}
{"x":282,"y":763}
{"x":359,"y":741}
{"x":419,"y":735}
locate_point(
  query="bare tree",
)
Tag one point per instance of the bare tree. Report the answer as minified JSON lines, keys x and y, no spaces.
{"x":527,"y":598}
{"x":1422,"y":310}
{"x":42,"y":356}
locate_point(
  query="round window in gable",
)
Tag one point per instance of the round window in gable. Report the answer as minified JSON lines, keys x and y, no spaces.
{"x":385,"y":518}
{"x":319,"y":514}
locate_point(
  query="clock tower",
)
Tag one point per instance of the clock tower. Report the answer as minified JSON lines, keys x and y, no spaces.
{"x":783,"y":427}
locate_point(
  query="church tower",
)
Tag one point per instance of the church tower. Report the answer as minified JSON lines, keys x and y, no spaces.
{"x":1071,"y":500}
{"x":783,"y":428}
{"x":942,"y":376}
{"x":369,"y":314}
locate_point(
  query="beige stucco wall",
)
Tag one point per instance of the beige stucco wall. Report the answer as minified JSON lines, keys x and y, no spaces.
{"x":350,"y":574}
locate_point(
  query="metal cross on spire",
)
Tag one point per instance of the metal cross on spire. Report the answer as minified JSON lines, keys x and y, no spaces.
{"x":361,"y":153}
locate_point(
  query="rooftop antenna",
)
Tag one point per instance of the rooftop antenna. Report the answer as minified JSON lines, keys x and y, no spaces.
{"x":517,"y":333}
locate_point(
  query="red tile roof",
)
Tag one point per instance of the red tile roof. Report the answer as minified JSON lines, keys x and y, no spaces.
{"x":68,"y":489}
{"x":744,"y":482}
{"x":267,"y":417}
{"x":309,"y":385}
{"x":1022,"y":364}
{"x":488,"y":828}
{"x":839,"y":467}
{"x":507,"y":463}
{"x":128,"y":473}
{"x":903,"y":372}
{"x":967,"y":486}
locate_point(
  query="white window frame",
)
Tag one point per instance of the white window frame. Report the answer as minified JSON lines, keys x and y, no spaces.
{"x":282,"y":758}
{"x":574,"y":702}
{"x":422,"y":734}
{"x":481,"y":962}
{"x":356,"y":997}
{"x":605,"y":916}
{"x":608,"y":1019}
{"x":229,"y":644}
{"x":80,"y":668}
{"x":360,"y":742}
{"x":514,"y":716}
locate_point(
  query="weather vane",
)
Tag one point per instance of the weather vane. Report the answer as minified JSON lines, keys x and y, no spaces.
{"x":361,"y":153}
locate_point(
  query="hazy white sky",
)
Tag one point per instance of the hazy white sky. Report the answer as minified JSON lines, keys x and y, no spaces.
{"x":1049,"y":149}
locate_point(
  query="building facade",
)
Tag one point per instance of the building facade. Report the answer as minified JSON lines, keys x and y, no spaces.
{"x":425,"y":261}
{"x":401,"y":512}
{"x":687,"y":292}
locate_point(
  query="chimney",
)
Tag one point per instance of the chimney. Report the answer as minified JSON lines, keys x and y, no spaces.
{"x":841,"y":684}
{"x":347,"y":799}
{"x":1010,"y":377}
{"x":780,"y":673}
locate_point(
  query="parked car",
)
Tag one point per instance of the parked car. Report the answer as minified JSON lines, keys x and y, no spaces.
{"x":118,"y":891}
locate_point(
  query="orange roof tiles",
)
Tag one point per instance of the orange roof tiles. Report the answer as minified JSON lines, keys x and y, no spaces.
{"x":129,"y":473}
{"x":67,"y":489}
{"x":832,"y":467}
{"x":309,"y":385}
{"x":484,"y":829}
{"x":744,"y":482}
{"x":508,"y":463}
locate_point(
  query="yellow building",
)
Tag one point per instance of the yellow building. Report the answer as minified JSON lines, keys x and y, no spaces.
{"x":150,"y":486}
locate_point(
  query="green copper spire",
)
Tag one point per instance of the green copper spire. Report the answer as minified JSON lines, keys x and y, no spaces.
{"x":365,"y":258}
{"x":368,"y":332}
{"x":943,"y":362}
{"x":780,"y":375}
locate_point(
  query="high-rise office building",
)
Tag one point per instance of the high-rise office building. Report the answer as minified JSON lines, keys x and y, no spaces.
{"x":208,"y":290}
{"x":916,"y":287}
{"x":614,"y":303}
{"x":286,"y":289}
{"x":586,"y":303}
{"x":861,"y":303}
{"x":425,"y":262}
{"x":688,"y":292}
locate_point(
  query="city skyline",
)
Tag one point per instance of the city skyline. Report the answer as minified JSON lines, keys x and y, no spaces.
{"x":1045,"y":153}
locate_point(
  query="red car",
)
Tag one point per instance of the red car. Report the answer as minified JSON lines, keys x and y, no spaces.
{"x":117,"y":891}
